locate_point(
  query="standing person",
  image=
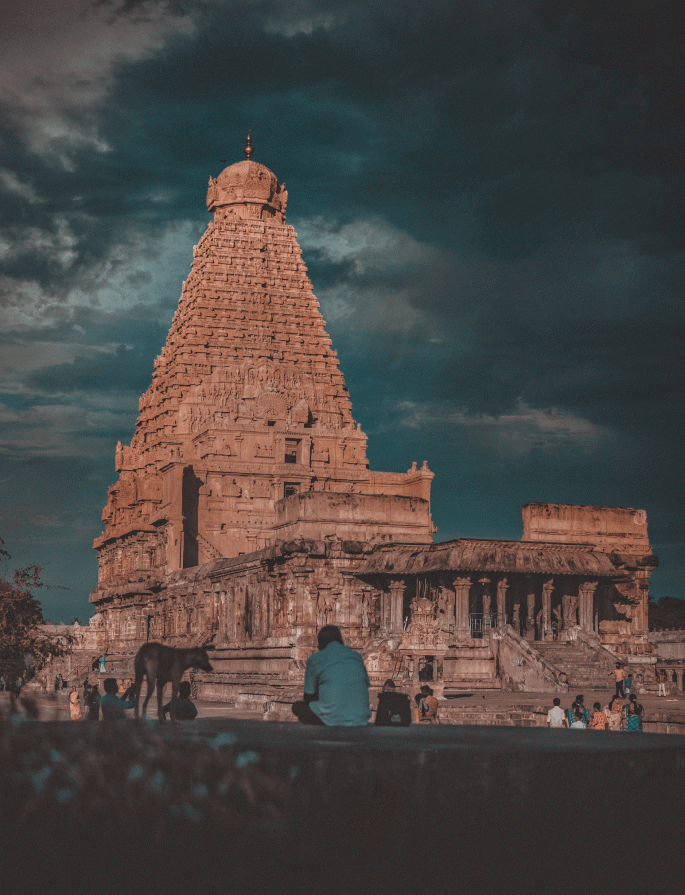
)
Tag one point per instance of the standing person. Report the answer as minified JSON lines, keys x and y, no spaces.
{"x":336,"y":684}
{"x":103,"y":670}
{"x":75,"y":705}
{"x":661,"y":677}
{"x":394,"y":709}
{"x":633,"y":715}
{"x":113,"y":707}
{"x":599,"y":719}
{"x":185,"y":709}
{"x":620,"y":675}
{"x":92,"y":700}
{"x":2,"y":682}
{"x":556,"y":717}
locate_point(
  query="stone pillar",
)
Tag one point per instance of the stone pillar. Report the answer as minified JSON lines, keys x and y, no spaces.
{"x":415,"y":671}
{"x":530,"y":614}
{"x":461,"y":623}
{"x":385,"y":619}
{"x":502,"y":588}
{"x":586,"y":592}
{"x":396,"y":606}
{"x":486,"y":605}
{"x":547,"y":589}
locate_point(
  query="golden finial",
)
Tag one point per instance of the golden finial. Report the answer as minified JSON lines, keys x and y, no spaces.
{"x":248,"y":147}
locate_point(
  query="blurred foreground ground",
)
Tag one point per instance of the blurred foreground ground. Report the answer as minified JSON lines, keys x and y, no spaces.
{"x":228,"y":805}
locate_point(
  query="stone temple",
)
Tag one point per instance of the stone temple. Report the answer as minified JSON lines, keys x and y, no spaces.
{"x":245,"y":515}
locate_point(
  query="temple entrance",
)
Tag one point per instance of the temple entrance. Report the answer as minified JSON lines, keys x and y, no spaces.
{"x":190,"y":505}
{"x":427,"y":666}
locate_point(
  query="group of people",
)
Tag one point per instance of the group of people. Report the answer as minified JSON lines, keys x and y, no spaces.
{"x":394,"y":708}
{"x":614,"y":716}
{"x":336,"y":691}
{"x":113,"y":706}
{"x":14,"y":682}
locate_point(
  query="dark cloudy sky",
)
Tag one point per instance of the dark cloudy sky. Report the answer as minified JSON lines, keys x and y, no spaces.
{"x":489,"y":196}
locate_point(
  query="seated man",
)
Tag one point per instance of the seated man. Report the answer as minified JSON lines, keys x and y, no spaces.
{"x":111,"y":706}
{"x":186,"y":709}
{"x":394,"y":709}
{"x":427,"y":708}
{"x":336,"y":685}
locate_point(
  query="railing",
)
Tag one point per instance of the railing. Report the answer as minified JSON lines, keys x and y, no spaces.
{"x":478,"y":622}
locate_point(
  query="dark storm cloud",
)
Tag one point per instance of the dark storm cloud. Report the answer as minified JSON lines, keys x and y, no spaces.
{"x":488,"y":194}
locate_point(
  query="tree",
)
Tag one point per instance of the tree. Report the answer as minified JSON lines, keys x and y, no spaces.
{"x":21,"y":639}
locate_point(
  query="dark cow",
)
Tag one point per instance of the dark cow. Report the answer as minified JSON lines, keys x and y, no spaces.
{"x":162,"y":665}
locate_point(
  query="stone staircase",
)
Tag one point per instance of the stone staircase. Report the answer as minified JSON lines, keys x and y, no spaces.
{"x":211,"y":552}
{"x":584,"y":667}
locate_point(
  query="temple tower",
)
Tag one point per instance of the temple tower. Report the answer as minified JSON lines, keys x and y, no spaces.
{"x":246,"y":432}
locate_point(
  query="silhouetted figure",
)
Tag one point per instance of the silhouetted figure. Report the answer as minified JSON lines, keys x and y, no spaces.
{"x":92,"y":702}
{"x":394,"y":709}
{"x":111,"y":706}
{"x":185,"y":710}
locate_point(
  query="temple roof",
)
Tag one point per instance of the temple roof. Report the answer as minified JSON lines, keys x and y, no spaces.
{"x":247,"y":182}
{"x":476,"y":555}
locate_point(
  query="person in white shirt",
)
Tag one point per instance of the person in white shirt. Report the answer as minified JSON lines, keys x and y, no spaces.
{"x":556,"y":717}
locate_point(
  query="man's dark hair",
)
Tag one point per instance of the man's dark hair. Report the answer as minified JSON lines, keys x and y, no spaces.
{"x":184,"y":689}
{"x":329,"y":634}
{"x":389,"y":684}
{"x":111,"y":685}
{"x":597,"y":706}
{"x":427,"y":690}
{"x":556,"y":701}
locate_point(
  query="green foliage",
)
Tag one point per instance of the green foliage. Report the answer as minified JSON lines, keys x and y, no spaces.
{"x":668,"y":612}
{"x":20,"y":620}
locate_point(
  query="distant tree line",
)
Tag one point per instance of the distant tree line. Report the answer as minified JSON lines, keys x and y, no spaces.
{"x":667,"y":612}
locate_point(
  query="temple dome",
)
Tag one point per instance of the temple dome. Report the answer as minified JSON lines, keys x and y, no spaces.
{"x":247,"y":190}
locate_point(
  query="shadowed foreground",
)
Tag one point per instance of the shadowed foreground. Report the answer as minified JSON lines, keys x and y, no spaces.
{"x":240,"y":806}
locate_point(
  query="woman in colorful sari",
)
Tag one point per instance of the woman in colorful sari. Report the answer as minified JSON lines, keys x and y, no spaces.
{"x":633,"y":715}
{"x":75,"y":705}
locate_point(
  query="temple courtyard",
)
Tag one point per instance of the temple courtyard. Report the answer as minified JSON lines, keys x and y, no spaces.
{"x":499,"y":708}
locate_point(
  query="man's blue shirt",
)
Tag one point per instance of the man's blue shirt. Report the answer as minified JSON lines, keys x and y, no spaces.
{"x":338,"y":674}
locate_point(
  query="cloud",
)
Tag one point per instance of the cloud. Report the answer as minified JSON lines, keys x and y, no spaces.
{"x":303,"y":17}
{"x":62,"y":430}
{"x":56,"y":66}
{"x":142,"y":268}
{"x":24,"y":190}
{"x":512,"y":435}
